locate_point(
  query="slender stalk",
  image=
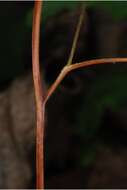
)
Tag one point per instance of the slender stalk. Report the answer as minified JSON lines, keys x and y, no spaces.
{"x":76,"y":36}
{"x":39,"y":96}
{"x":68,"y":68}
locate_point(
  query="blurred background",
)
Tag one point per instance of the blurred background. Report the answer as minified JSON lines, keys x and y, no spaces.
{"x":86,"y":118}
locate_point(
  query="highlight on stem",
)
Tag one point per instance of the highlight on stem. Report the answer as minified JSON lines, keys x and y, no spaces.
{"x":39,"y":95}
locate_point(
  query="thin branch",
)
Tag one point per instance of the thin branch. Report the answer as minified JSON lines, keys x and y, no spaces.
{"x":67,"y":69}
{"x":74,"y":44}
{"x":39,"y":95}
{"x":69,"y":62}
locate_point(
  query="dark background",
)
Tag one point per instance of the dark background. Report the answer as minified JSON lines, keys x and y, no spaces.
{"x":87,"y":116}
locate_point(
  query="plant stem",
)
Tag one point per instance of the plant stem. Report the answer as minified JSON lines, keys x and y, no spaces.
{"x":39,"y":96}
{"x":75,"y":40}
{"x":68,"y":68}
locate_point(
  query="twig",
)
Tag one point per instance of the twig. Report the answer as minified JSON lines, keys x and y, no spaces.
{"x":74,"y":44}
{"x":68,"y":68}
{"x":69,"y":62}
{"x":39,"y":96}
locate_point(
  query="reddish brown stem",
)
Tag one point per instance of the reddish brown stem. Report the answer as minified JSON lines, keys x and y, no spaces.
{"x":75,"y":66}
{"x":39,"y":96}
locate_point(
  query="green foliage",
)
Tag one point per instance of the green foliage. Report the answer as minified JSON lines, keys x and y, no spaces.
{"x":118,"y":9}
{"x":52,"y":7}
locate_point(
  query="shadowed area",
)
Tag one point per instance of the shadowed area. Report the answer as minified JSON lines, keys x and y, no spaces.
{"x":86,"y":118}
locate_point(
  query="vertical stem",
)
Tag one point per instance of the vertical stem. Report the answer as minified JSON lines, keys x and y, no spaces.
{"x":39,"y":96}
